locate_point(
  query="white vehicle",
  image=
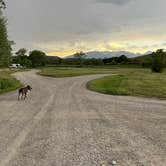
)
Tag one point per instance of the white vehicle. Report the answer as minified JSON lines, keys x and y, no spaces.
{"x":16,"y":66}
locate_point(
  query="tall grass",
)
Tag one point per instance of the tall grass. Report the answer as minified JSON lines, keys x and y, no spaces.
{"x":7,"y":82}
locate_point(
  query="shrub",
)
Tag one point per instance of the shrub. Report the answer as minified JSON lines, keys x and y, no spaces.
{"x":7,"y":82}
{"x":157,"y":65}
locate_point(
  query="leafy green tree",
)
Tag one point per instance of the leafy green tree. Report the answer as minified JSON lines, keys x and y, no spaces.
{"x":21,"y":52}
{"x":26,"y":62}
{"x":38,"y":58}
{"x":5,"y":44}
{"x":22,"y":58}
{"x":80,"y":56}
{"x":122,"y":59}
{"x":157,"y":61}
{"x":111,"y":61}
{"x":2,"y":4}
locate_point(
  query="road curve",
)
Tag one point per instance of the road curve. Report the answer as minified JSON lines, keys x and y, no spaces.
{"x":64,"y":124}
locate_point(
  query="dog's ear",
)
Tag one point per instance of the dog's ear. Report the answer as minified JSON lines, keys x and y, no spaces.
{"x":29,"y":87}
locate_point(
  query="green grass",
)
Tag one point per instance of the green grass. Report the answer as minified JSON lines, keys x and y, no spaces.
{"x":71,"y":72}
{"x":132,"y":83}
{"x":7,"y":82}
{"x":124,"y":81}
{"x":75,"y":71}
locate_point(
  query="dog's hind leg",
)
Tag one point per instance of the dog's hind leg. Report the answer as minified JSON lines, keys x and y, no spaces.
{"x":18,"y":96}
{"x":25,"y":96}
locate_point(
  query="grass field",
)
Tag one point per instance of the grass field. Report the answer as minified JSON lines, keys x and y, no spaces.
{"x":71,"y":72}
{"x":124,"y":81}
{"x":7,"y":82}
{"x":132,"y":83}
{"x":75,"y":71}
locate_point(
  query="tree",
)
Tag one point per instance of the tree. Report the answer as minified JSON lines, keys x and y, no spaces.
{"x":2,"y":4}
{"x":111,"y":61}
{"x":93,"y":62}
{"x":21,"y":52}
{"x":26,"y":62}
{"x":38,"y":58}
{"x":157,"y":61}
{"x":22,"y":58}
{"x":5,"y":45}
{"x":53,"y":60}
{"x":122,"y":59}
{"x":80,"y":56}
{"x":69,"y":61}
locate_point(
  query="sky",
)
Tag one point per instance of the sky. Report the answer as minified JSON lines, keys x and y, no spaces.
{"x":63,"y":27}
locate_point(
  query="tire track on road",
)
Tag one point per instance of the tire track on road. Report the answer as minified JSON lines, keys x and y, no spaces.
{"x":12,"y":149}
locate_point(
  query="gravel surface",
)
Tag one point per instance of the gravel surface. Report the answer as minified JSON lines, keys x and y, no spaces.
{"x":64,"y":124}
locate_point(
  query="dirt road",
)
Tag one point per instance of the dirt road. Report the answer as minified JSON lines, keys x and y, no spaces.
{"x":63,"y":124}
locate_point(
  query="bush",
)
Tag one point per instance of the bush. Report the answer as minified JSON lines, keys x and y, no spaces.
{"x":6,"y":83}
{"x":92,"y":62}
{"x":146,"y":64}
{"x":53,"y":60}
{"x":157,"y":65}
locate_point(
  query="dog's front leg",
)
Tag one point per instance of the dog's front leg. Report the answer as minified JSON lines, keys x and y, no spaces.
{"x":25,"y":96}
{"x":22,"y":96}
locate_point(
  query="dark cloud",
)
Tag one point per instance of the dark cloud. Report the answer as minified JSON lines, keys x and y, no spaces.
{"x":49,"y":20}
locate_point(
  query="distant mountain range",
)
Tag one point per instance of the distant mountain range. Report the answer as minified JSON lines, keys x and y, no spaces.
{"x":108,"y":54}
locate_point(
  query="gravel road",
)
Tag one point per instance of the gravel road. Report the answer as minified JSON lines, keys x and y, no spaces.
{"x":64,"y":124}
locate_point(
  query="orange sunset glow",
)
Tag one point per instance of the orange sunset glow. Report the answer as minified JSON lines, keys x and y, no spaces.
{"x":61,"y":54}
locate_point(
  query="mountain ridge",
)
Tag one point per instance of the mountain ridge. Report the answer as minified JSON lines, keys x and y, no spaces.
{"x":108,"y":54}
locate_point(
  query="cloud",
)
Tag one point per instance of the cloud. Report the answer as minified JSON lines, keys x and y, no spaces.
{"x":60,"y":25}
{"x":46,"y":21}
{"x":115,"y":2}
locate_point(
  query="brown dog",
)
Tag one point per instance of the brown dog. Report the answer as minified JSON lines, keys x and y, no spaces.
{"x":23,"y":92}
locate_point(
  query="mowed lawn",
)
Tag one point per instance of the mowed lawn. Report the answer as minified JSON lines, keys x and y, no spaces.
{"x":133,"y":83}
{"x":7,"y":82}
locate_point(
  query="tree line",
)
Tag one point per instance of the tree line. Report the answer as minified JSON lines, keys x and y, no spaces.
{"x":38,"y":58}
{"x":156,"y":60}
{"x":5,"y":44}
{"x":35,"y":58}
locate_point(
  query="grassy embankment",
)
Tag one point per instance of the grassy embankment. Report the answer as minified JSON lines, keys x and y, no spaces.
{"x":7,"y":82}
{"x":127,"y":81}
